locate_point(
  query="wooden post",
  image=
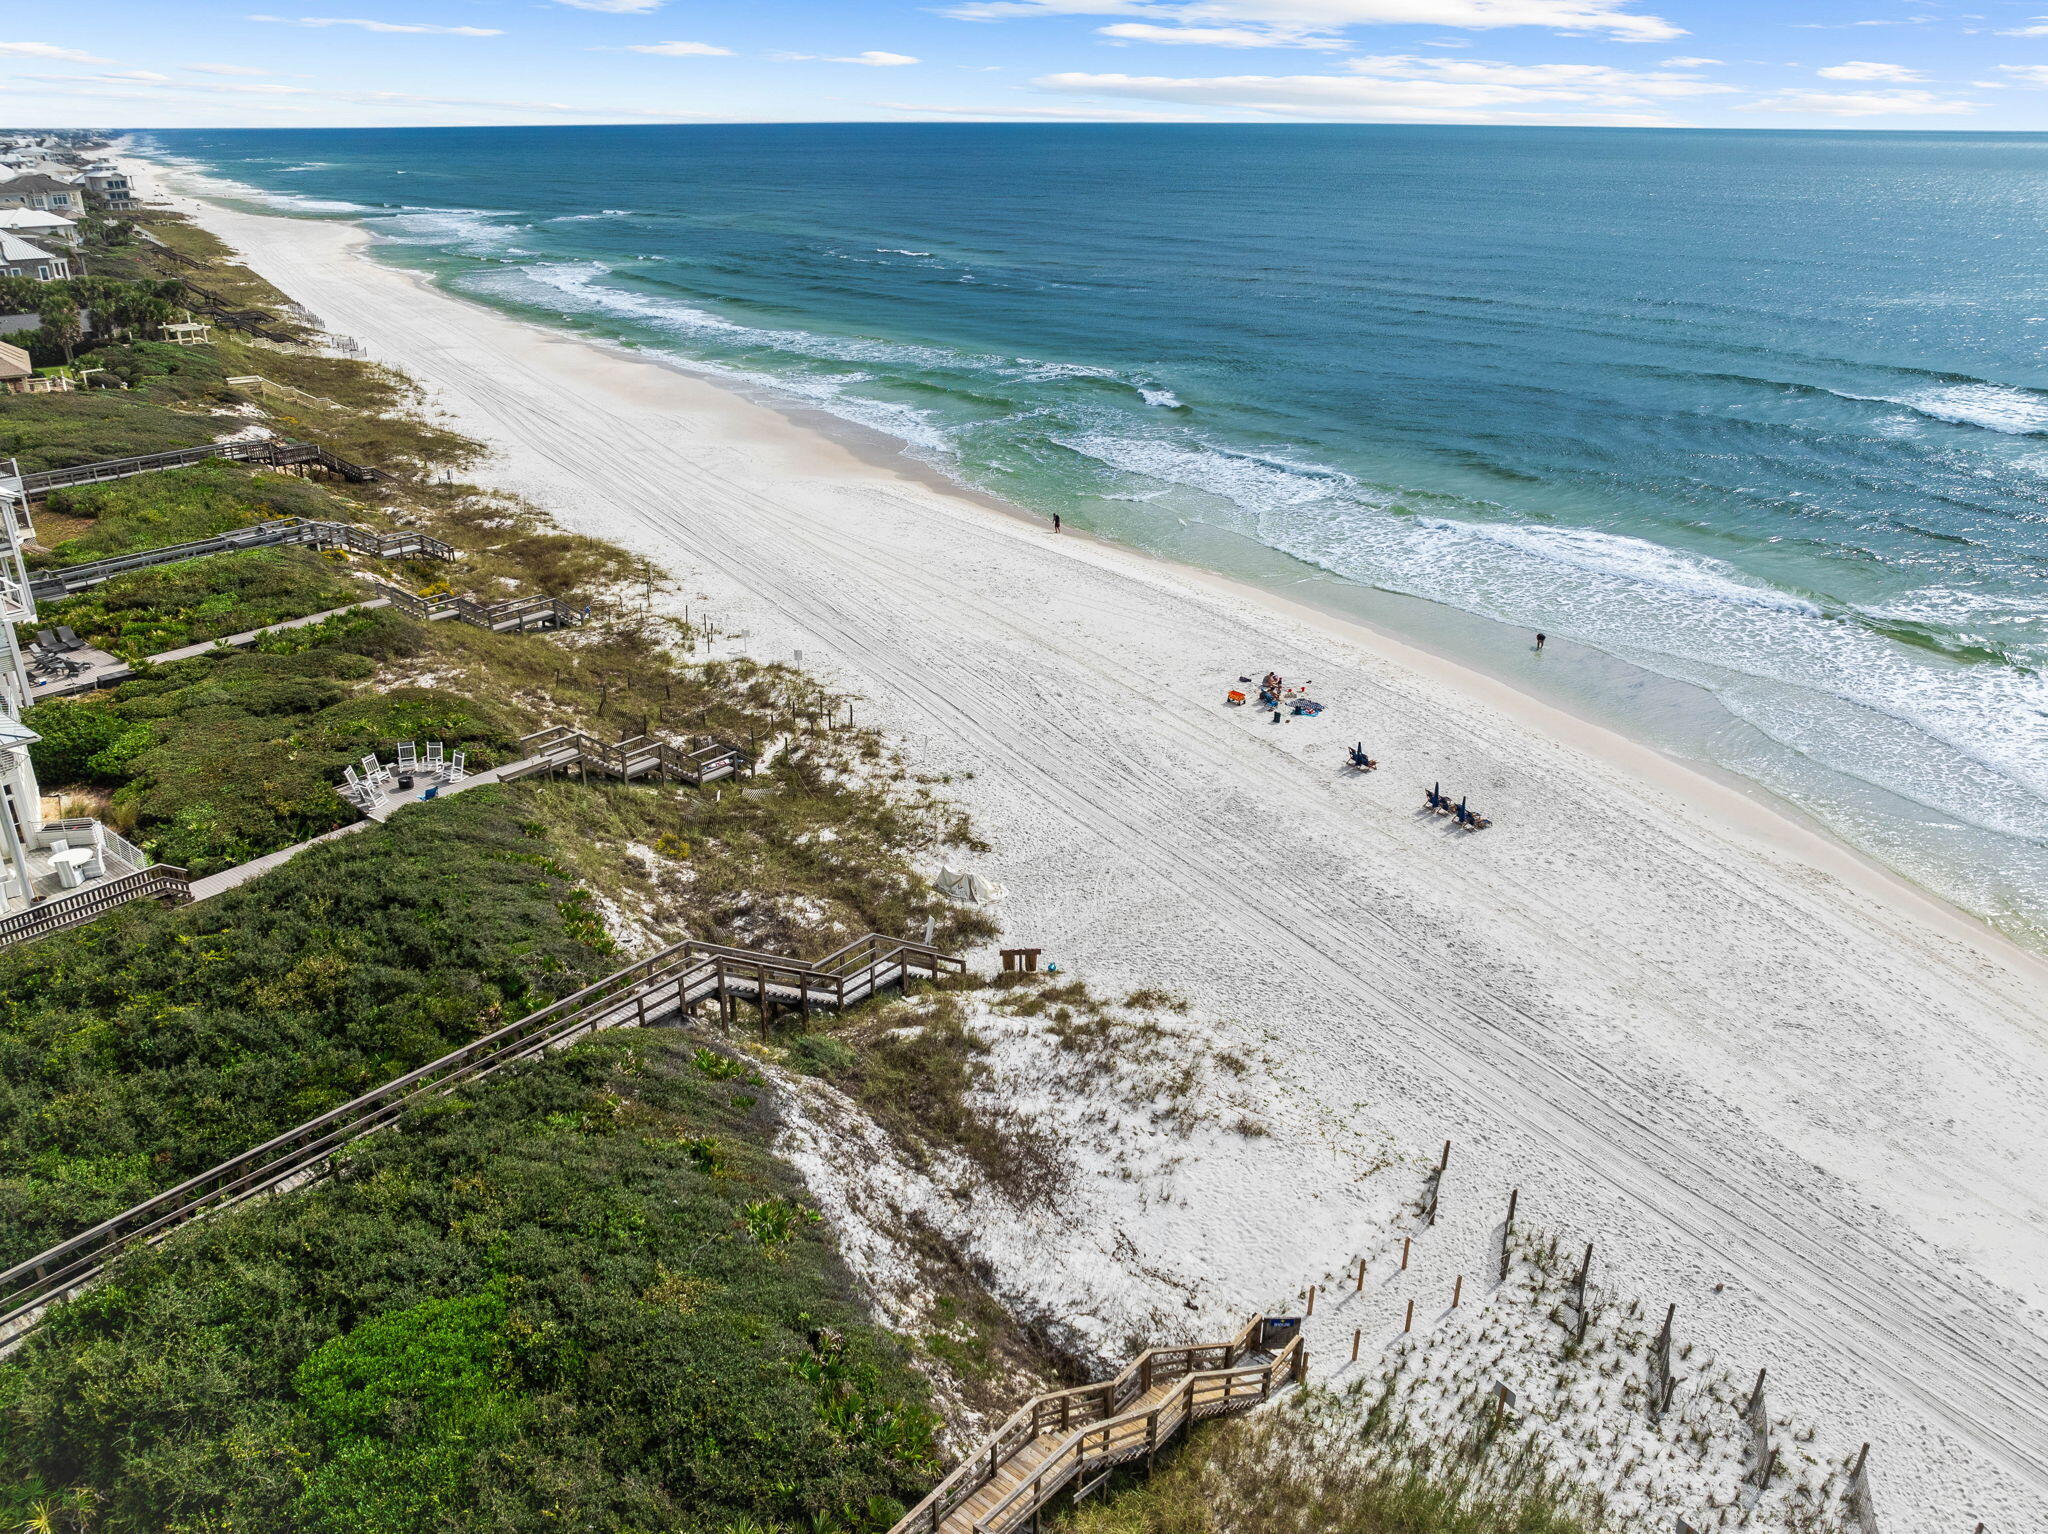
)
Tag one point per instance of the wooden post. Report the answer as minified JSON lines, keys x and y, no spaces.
{"x":1457,"y":1291}
{"x":1409,"y":1324}
{"x":1360,"y":1285}
{"x":1406,"y":1242}
{"x":1507,"y":1232}
{"x":1360,"y":1332}
{"x":1311,"y":1300}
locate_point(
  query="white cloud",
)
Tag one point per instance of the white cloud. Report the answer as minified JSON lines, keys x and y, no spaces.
{"x":2024,"y":74}
{"x":1215,"y":37}
{"x":1408,"y":88}
{"x":1869,"y":104}
{"x":615,"y":7}
{"x":1691,"y":63}
{"x":1295,"y":18}
{"x":874,"y":58}
{"x":682,"y":50}
{"x":1060,"y":114}
{"x":1863,"y":69}
{"x":380,"y":26}
{"x":223,"y":69}
{"x":50,"y":51}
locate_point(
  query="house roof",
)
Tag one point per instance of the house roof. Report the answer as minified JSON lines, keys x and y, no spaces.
{"x":34,"y":218}
{"x":35,"y":184}
{"x":14,"y":248}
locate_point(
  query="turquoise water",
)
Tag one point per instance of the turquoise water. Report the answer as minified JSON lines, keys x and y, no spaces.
{"x":1766,"y":414}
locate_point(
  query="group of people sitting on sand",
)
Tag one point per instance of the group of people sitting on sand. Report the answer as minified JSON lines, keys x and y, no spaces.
{"x":1439,"y":803}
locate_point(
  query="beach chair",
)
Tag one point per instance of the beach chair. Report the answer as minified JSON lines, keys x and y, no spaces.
{"x":408,"y":758}
{"x":433,"y":756}
{"x":373,"y":770}
{"x":67,"y":640}
{"x":46,"y":641}
{"x":454,"y":770}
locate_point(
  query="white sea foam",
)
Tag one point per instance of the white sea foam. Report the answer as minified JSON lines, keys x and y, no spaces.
{"x":1165,"y":399}
{"x":1971,"y":741}
{"x":584,"y":218}
{"x":1631,"y":559}
{"x":885,"y":251}
{"x":1994,"y":407}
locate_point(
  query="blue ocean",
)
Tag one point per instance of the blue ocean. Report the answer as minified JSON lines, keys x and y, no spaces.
{"x":1754,"y":425}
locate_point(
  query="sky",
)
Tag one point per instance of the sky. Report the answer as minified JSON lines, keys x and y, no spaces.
{"x":1837,"y":64}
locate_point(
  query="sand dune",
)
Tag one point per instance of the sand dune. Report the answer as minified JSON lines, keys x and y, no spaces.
{"x":1674,"y":1019}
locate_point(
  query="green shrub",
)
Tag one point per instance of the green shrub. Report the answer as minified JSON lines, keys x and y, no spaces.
{"x":153,"y":1044}
{"x":487,"y":1323}
{"x":55,"y":431}
{"x":146,"y":612}
{"x":152,"y":511}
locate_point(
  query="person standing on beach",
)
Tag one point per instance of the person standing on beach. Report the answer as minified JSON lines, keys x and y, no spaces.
{"x":1056,"y":522}
{"x":1539,"y":640}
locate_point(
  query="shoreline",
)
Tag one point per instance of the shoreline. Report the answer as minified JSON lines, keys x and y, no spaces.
{"x":1662,"y":1003}
{"x":1743,"y":805}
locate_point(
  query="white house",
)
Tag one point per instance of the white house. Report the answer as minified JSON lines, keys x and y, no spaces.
{"x":20,"y":258}
{"x":40,"y":858}
{"x":43,"y":228}
{"x":109,"y":183}
{"x":45,"y":192}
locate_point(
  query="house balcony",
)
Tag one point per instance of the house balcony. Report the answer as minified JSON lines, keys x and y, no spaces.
{"x":73,"y":857}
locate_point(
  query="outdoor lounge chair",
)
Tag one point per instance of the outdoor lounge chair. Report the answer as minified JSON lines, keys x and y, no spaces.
{"x":433,"y":762}
{"x":67,"y":640}
{"x":408,"y":758}
{"x":454,"y":771}
{"x":373,"y":770}
{"x":46,"y":639}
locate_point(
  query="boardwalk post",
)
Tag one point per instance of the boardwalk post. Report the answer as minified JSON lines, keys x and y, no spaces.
{"x":1661,"y":1383}
{"x":1581,"y":1318}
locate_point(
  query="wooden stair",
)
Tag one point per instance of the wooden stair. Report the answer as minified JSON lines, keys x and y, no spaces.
{"x":1071,"y":1439}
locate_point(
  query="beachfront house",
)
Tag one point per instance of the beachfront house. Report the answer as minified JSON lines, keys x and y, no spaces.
{"x":39,"y":226}
{"x":23,"y":258}
{"x":45,"y":192}
{"x":111,"y":186}
{"x":42,"y":858}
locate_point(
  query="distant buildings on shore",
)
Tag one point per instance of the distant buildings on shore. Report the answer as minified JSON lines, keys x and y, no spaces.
{"x":47,"y":182}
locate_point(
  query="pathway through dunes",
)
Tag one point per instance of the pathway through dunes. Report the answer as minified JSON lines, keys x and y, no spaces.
{"x":1721,"y":1047}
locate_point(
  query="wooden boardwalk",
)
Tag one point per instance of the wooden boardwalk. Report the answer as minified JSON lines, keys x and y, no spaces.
{"x":1070,"y":1440}
{"x":663,"y":988}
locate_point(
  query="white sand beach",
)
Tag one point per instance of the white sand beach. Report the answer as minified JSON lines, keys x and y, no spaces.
{"x":1779,"y":1087}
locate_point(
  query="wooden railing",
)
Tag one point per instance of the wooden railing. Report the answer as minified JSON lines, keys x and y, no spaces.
{"x":60,"y":581}
{"x":269,"y":451}
{"x":158,"y":882}
{"x":514,"y":614}
{"x":637,"y":756}
{"x":1095,"y":1427}
{"x":663,"y":985}
{"x":256,"y":383}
